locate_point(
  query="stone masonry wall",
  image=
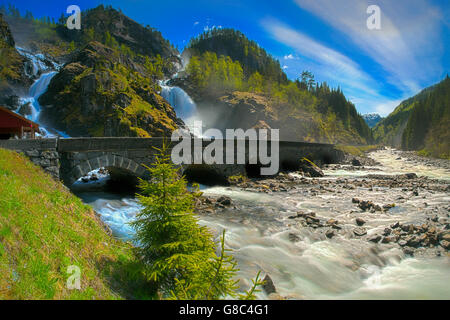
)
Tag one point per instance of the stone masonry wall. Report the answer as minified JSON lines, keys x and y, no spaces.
{"x":42,"y":152}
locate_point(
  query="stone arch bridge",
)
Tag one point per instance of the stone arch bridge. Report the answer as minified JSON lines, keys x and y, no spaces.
{"x":70,"y":159}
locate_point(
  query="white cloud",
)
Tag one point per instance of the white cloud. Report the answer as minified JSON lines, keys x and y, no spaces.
{"x":408,"y":46}
{"x":325,"y":60}
{"x":208,"y":28}
{"x":196,"y":23}
{"x":334,"y":67}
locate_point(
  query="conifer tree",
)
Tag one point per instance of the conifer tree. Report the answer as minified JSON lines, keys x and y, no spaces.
{"x":179,"y":254}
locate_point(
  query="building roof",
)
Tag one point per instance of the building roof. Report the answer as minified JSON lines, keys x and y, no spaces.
{"x":9,"y":119}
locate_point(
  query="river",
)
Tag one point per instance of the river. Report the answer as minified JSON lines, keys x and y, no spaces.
{"x":302,"y":262}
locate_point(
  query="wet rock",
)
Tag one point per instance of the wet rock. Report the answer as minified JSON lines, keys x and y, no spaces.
{"x":332,"y":222}
{"x":293,"y":237}
{"x":356,"y":162}
{"x":411,"y":175}
{"x":423,"y":238}
{"x":395,"y":225}
{"x":376,"y":207}
{"x":375,"y":238}
{"x":312,"y":220}
{"x":388,"y":206}
{"x":25,"y":109}
{"x":268,"y":285}
{"x":407,"y":228}
{"x":329,"y":233}
{"x":299,"y":214}
{"x":387,"y":231}
{"x":355,"y":200}
{"x":408,"y":251}
{"x":444,"y":235}
{"x":445,"y":244}
{"x":387,"y":240}
{"x":360,"y":221}
{"x":308,"y":167}
{"x":402,"y":242}
{"x":365,"y":205}
{"x":360,"y":231}
{"x":412,"y":241}
{"x":224,"y":200}
{"x":369,"y":205}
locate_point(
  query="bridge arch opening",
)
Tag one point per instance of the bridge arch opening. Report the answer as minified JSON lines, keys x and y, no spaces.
{"x":121,"y":180}
{"x":108,"y":173}
{"x":327,"y":159}
{"x":290,"y":165}
{"x":204,"y":174}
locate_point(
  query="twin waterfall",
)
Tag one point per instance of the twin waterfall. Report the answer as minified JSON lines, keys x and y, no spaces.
{"x":37,"y":66}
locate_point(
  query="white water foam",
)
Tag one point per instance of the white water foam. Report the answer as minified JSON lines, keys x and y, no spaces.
{"x":39,"y":87}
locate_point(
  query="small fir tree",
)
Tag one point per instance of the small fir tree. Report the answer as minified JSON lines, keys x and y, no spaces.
{"x":179,"y":254}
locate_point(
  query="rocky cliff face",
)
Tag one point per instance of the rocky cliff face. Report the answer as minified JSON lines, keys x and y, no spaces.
{"x":101,"y":92}
{"x":6,"y":38}
{"x":12,"y":71}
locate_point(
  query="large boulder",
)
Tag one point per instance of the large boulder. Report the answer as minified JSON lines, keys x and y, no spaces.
{"x":310,"y":168}
{"x":268,"y":285}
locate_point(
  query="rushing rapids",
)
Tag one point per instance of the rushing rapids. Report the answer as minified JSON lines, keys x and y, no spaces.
{"x":266,"y":232}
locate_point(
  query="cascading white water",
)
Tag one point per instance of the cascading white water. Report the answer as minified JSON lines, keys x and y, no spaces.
{"x":36,"y":63}
{"x":39,"y":67}
{"x":36,"y":90}
{"x":258,"y":232}
{"x":184,"y":106}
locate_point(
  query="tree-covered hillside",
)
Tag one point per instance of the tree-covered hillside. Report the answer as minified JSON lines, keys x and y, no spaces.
{"x":108,"y":82}
{"x":234,"y":44}
{"x":420,"y":122}
{"x":224,"y":62}
{"x":102,"y":24}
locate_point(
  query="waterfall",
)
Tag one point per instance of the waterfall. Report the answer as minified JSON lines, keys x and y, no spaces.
{"x":45,"y":74}
{"x":36,"y":63}
{"x":182,"y":103}
{"x":36,"y":90}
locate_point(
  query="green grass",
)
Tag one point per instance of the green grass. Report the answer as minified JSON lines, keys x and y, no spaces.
{"x":357,"y":150}
{"x":44,"y":229}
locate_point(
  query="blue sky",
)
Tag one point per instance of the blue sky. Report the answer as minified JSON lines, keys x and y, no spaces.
{"x":376,"y":69}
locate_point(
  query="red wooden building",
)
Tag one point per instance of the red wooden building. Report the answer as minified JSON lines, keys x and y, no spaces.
{"x":13,"y":124}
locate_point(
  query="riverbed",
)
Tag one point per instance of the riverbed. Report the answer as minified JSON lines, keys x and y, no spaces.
{"x":267,"y":230}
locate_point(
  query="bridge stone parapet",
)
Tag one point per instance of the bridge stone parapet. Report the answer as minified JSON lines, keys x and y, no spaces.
{"x":70,"y":159}
{"x":42,"y":152}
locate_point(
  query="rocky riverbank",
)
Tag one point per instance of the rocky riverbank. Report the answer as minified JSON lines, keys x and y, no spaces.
{"x":403,"y":211}
{"x":371,"y":230}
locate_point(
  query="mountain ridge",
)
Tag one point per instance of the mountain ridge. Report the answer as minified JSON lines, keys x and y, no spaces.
{"x":420,"y":122}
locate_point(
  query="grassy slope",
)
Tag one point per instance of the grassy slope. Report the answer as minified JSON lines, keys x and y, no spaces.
{"x":44,"y":229}
{"x":357,"y":150}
